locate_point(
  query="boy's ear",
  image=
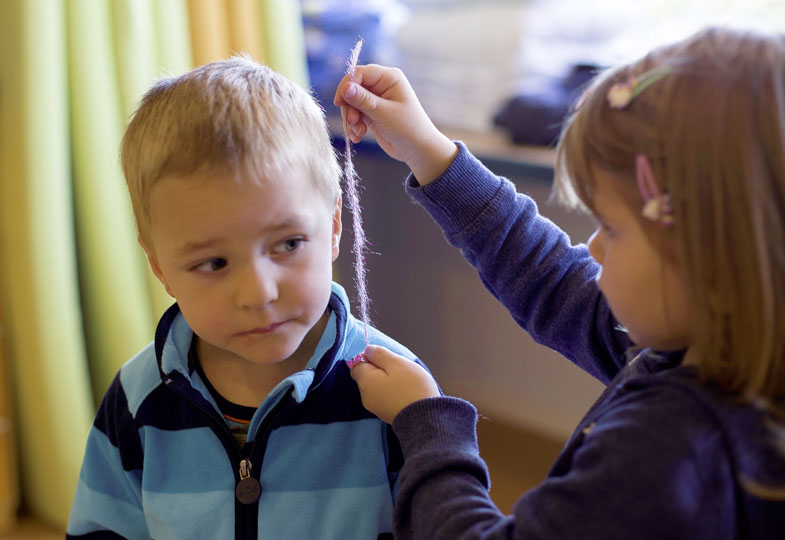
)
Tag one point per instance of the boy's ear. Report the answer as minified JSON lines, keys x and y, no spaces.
{"x":154,"y":265}
{"x":337,"y":229}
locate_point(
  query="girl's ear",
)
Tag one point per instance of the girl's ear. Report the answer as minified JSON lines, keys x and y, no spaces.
{"x":154,"y":266}
{"x":337,"y":229}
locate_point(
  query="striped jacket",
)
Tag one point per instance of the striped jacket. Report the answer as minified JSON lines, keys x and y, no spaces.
{"x":161,"y":462}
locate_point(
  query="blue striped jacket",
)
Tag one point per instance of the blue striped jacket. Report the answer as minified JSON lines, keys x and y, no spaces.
{"x":161,"y":462}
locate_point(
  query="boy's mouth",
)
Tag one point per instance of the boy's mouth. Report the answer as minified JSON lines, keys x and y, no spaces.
{"x":261,"y":330}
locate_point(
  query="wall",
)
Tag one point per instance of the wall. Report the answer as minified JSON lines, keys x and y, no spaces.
{"x":425,"y":295}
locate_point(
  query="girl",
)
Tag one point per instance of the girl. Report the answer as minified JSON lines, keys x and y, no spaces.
{"x":675,"y":303}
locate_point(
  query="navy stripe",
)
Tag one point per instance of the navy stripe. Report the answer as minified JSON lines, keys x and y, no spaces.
{"x":116,"y":422}
{"x":97,"y":535}
{"x":338,"y":390}
{"x":165,"y":409}
{"x":162,"y":332}
{"x":326,"y":362}
{"x":395,"y":458}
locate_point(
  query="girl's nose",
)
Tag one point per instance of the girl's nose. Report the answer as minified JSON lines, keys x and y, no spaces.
{"x":595,"y":245}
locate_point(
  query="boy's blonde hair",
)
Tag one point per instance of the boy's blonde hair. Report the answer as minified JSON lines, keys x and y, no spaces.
{"x":232,"y":116}
{"x":714,"y":131}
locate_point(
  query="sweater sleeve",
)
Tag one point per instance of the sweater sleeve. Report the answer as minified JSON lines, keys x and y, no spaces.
{"x":637,"y":474}
{"x":108,"y":500}
{"x":526,"y":262}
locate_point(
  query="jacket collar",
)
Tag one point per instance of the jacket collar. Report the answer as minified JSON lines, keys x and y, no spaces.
{"x":173,"y":339}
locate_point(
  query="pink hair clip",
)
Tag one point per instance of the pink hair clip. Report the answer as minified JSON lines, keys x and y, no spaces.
{"x":656,"y":204}
{"x":621,"y":94}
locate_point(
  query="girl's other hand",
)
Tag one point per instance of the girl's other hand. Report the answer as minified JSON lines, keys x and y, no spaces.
{"x":389,"y":382}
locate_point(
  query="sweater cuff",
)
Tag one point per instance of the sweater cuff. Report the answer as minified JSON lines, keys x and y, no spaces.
{"x":460,"y":194}
{"x":438,"y":423}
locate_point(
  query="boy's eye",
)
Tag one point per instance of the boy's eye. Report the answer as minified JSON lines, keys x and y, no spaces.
{"x":289,"y":245}
{"x":212,"y":265}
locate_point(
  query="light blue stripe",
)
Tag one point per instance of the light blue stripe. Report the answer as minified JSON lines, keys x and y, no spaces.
{"x":207,"y":515}
{"x":378,"y":338}
{"x":140,"y":376}
{"x":105,"y":473}
{"x":331,"y":514}
{"x":338,"y":289}
{"x":311,"y":457}
{"x":185,"y":461}
{"x":326,"y":342}
{"x":115,"y":515}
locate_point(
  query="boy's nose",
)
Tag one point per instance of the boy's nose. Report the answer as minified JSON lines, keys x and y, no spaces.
{"x":258,"y":286}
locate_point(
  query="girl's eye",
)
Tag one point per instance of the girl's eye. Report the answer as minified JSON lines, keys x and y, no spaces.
{"x":212,"y":265}
{"x":289,"y":245}
{"x":606,"y":229}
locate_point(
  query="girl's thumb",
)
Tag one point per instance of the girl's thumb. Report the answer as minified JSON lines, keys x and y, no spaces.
{"x":359,"y":98}
{"x":377,"y":355}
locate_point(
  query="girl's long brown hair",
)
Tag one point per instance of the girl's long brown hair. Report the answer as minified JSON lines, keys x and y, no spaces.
{"x":714,"y":131}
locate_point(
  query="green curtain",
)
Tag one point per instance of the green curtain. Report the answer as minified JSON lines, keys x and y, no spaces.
{"x":151,"y":40}
{"x":281,"y":29}
{"x":210,"y":30}
{"x":117,"y":308}
{"x":41,"y":303}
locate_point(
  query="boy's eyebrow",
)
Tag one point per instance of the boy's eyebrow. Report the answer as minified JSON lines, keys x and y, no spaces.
{"x":194,"y":246}
{"x":191,"y":247}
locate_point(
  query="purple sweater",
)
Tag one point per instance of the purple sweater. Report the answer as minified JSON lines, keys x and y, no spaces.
{"x":659,"y":455}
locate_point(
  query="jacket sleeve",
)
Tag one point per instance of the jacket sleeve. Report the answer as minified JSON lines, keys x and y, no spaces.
{"x":639,"y":473}
{"x":526,"y":262}
{"x":108,"y":500}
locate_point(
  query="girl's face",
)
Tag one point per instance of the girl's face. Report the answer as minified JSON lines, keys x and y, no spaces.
{"x":646,"y":292}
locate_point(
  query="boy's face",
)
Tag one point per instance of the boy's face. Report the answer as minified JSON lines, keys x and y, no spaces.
{"x":249,"y":264}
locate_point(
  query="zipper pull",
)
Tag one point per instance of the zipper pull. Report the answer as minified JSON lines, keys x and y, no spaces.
{"x":247,"y":489}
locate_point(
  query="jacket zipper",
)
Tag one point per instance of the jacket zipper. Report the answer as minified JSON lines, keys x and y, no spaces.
{"x":253,"y":461}
{"x":246,"y":470}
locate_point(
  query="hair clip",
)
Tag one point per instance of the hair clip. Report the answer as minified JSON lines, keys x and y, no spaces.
{"x":656,"y":204}
{"x":621,"y":94}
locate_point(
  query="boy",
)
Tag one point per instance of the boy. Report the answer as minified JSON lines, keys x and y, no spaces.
{"x":241,"y":419}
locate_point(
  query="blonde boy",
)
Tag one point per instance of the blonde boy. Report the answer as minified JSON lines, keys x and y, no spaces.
{"x":241,"y":419}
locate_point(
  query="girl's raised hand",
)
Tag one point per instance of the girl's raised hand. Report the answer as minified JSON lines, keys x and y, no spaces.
{"x":381,"y":101}
{"x":389,"y":382}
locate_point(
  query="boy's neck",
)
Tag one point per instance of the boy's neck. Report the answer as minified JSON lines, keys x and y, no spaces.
{"x":244,"y":383}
